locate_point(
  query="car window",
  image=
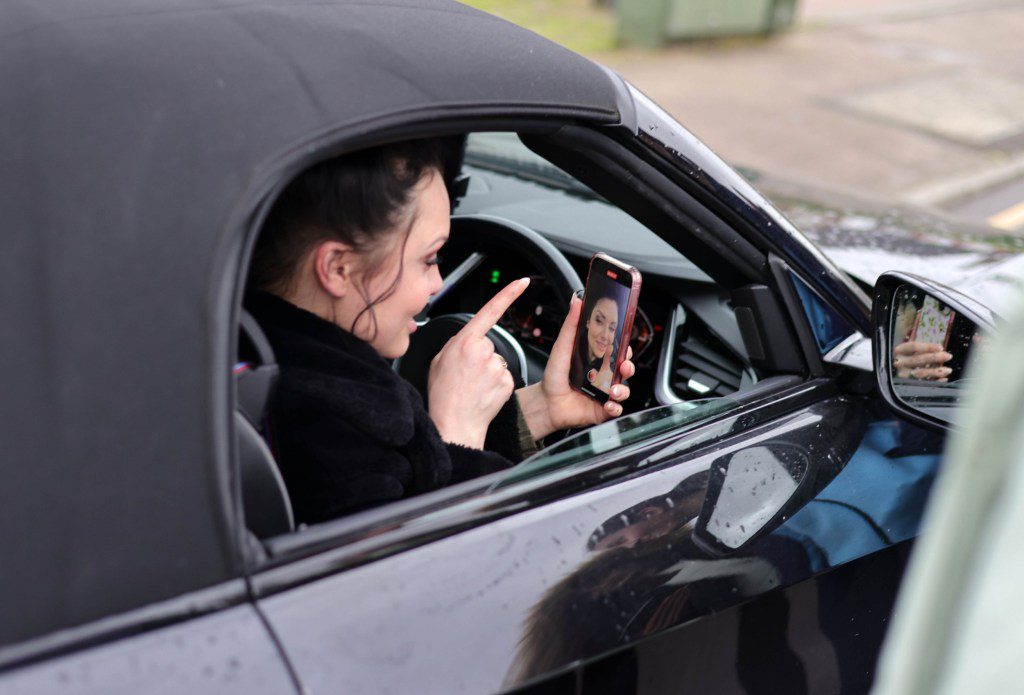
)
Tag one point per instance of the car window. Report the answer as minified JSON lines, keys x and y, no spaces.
{"x":609,"y":437}
{"x":579,"y":213}
{"x":508,"y":181}
{"x":506,"y":152}
{"x":828,"y":327}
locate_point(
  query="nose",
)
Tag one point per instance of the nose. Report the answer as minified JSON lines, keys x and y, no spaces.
{"x":436,"y":282}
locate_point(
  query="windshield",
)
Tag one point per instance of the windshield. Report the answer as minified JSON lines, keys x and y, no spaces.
{"x":616,"y":435}
{"x":506,"y":154}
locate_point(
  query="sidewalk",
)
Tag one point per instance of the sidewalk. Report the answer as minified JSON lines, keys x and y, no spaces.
{"x":917,"y":101}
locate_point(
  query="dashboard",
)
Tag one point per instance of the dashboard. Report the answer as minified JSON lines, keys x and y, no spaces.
{"x":536,"y":317}
{"x":686,"y":343}
{"x":535,"y":320}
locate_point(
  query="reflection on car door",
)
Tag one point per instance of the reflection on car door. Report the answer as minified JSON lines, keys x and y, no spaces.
{"x":609,"y":583}
{"x":836,"y":563}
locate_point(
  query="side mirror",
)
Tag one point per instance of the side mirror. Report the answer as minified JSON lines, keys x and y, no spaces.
{"x":924,"y":335}
{"x":755,"y":486}
{"x":748,"y":491}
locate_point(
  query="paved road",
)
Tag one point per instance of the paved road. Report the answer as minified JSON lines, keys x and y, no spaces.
{"x":916,"y":101}
{"x":1001,"y":207}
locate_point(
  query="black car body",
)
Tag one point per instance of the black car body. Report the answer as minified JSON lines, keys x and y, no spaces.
{"x":144,"y":144}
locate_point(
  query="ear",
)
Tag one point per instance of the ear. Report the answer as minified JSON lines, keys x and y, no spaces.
{"x":333,"y":263}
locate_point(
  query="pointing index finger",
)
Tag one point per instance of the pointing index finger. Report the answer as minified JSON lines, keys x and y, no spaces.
{"x":493,"y":310}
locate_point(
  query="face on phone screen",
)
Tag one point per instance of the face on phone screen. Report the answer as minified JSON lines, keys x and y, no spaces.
{"x":599,"y":336}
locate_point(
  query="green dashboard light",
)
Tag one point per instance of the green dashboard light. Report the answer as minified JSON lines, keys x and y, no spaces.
{"x":495,"y":277}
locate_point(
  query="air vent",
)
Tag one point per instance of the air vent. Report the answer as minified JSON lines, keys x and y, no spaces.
{"x":702,"y":367}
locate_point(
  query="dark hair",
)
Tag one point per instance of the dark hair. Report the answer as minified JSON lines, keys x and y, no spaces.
{"x":356,"y":199}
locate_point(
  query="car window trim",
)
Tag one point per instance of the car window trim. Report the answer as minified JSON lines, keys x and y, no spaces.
{"x":781,"y":273}
{"x":353,"y":541}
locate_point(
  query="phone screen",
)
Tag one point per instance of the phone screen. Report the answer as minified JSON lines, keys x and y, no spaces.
{"x":607,"y":313}
{"x":933,"y":322}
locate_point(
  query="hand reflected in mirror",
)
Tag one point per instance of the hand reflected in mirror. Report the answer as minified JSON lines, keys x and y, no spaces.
{"x":918,"y":360}
{"x":926,"y":335}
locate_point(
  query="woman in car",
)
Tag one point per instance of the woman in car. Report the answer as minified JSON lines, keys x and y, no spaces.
{"x":346,"y":258}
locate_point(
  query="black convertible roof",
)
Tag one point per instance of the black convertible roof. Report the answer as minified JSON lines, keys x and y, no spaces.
{"x":133,"y":136}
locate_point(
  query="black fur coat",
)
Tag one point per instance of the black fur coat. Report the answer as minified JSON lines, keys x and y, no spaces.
{"x":347,"y":431}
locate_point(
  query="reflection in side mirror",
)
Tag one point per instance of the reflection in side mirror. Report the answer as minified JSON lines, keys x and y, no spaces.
{"x":753,"y":486}
{"x":747,"y":490}
{"x":930,"y":346}
{"x":924,"y":337}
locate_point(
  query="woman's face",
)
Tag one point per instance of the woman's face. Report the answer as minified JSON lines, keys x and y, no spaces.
{"x":428,"y":222}
{"x":601,"y":325}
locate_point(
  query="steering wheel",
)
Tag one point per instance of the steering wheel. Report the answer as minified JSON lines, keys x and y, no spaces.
{"x":488,"y":236}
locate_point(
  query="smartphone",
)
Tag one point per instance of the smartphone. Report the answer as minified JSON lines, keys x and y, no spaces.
{"x":606,"y":322}
{"x":933,"y":323}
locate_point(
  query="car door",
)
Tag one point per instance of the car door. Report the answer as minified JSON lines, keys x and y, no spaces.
{"x":579,"y":554}
{"x":228,"y":651}
{"x":804,"y":608}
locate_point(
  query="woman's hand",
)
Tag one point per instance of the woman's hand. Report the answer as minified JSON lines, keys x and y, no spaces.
{"x":552,"y":404}
{"x":468,"y":383}
{"x":914,"y":360}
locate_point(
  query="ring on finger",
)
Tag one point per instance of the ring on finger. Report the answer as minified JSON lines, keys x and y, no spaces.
{"x":504,"y":364}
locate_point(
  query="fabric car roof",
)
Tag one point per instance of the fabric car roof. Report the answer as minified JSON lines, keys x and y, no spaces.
{"x":131,"y":134}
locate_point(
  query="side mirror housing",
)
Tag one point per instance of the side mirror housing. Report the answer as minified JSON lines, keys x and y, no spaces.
{"x":923,"y":335}
{"x":755,"y":486}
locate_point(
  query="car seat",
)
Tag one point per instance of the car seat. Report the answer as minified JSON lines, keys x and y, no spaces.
{"x":265,"y":501}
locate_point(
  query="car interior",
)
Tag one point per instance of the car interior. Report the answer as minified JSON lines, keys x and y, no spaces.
{"x":708,"y":329}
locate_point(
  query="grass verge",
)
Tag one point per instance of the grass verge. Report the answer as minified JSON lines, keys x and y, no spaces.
{"x":580,"y":25}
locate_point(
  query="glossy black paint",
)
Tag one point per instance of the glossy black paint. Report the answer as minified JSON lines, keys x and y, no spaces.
{"x":840,"y":560}
{"x":353,"y":541}
{"x":817,"y":636}
{"x":557,"y":582}
{"x":230,"y":651}
{"x":148,"y":618}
